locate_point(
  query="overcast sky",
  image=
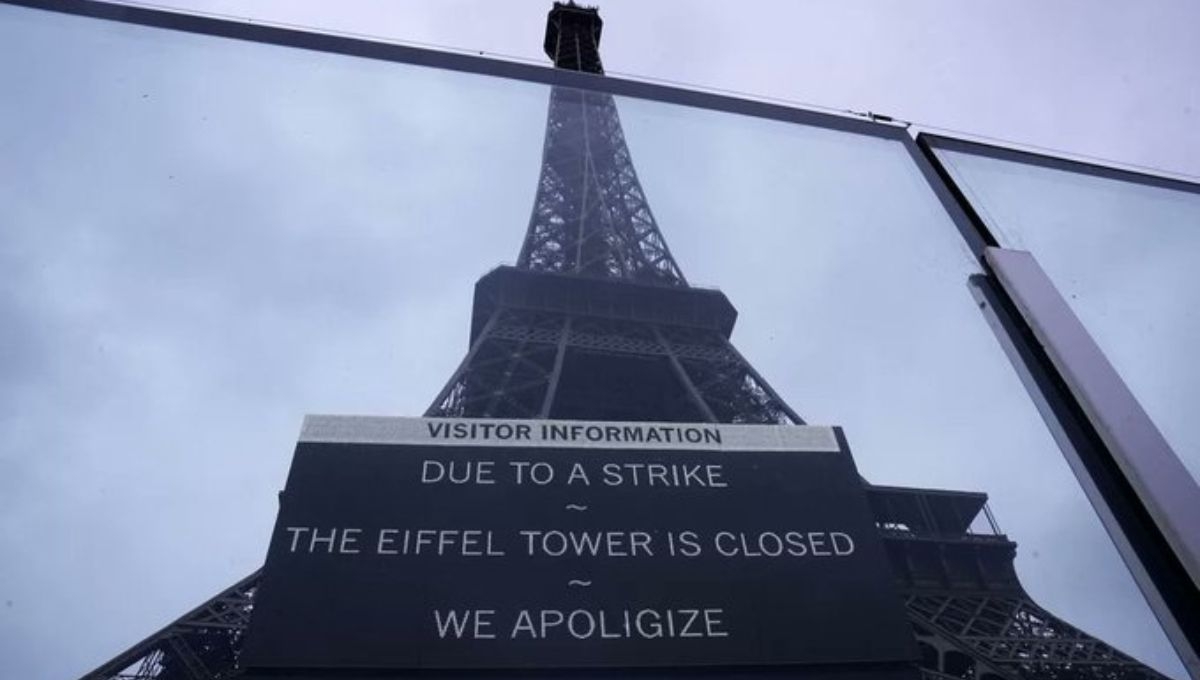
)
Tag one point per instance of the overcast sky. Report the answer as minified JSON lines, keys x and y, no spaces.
{"x":201,"y":245}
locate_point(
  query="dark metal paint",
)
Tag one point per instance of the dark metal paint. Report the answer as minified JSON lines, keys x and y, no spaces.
{"x":1066,"y":165}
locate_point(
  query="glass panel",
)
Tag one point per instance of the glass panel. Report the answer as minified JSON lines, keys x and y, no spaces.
{"x":851,"y":286}
{"x":204,"y":239}
{"x":1123,"y":255}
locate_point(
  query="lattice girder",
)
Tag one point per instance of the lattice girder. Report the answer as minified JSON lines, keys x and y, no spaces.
{"x":1012,"y":632}
{"x":590,"y":214}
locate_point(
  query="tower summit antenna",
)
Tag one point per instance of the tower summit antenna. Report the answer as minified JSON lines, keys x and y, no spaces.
{"x":573,"y":37}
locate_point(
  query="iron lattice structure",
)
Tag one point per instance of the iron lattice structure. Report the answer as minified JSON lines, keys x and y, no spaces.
{"x":598,"y":322}
{"x":590,"y":215}
{"x":202,"y":644}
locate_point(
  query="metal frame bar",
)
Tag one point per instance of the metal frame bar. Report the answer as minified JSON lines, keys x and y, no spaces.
{"x":1147,"y":461}
{"x":762,"y":382}
{"x":1065,"y":164}
{"x":1148,"y":544}
{"x":1142,"y":493}
{"x":142,"y":648}
{"x":968,"y":222}
{"x":1142,"y":547}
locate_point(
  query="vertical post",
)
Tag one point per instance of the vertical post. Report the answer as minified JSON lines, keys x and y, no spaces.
{"x":684,"y":377}
{"x":556,"y":374}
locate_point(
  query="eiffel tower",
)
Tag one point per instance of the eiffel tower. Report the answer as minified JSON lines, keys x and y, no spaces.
{"x":597,"y":322}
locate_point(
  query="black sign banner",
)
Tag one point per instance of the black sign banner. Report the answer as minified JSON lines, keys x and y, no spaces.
{"x":410,"y":543}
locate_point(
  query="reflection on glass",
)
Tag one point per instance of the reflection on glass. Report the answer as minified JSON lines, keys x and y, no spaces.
{"x":202,"y":240}
{"x":851,"y":287}
{"x":205,"y":239}
{"x":1123,"y":255}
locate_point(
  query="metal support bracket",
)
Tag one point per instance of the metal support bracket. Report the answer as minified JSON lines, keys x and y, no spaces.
{"x":1161,"y":485}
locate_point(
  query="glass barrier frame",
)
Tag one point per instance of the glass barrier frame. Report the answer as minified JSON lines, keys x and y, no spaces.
{"x":1158,"y":542}
{"x":1134,"y":480}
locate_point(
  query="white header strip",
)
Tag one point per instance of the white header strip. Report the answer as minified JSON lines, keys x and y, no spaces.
{"x":566,"y":434}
